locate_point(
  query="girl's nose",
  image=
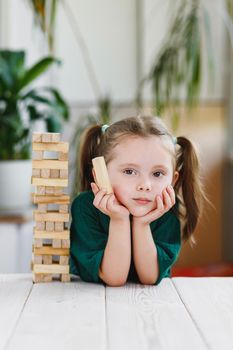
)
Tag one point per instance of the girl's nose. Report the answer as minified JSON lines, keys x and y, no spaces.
{"x":144,"y":187}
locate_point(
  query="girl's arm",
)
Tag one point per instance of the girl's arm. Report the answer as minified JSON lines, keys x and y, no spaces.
{"x":144,"y":253}
{"x":115,"y":264}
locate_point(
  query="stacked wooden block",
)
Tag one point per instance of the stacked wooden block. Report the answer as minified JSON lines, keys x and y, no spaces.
{"x":51,"y":246}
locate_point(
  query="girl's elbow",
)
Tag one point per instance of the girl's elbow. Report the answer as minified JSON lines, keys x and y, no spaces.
{"x":116,"y":284}
{"x":149,"y":280}
{"x":113,"y":282}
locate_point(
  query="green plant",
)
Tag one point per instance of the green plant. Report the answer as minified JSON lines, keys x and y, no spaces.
{"x":45,"y":14}
{"x":21,"y":107}
{"x":177,"y":70}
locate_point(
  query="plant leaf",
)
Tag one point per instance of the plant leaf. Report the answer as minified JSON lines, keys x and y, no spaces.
{"x":35,"y":71}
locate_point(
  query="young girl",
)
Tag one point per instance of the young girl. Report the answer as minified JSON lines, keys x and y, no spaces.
{"x":134,"y":234}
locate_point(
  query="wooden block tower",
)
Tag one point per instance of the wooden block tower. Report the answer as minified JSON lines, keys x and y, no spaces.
{"x":51,"y":247}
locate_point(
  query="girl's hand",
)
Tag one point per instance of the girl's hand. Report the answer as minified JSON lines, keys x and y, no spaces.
{"x":164,"y":204}
{"x":108,"y":204}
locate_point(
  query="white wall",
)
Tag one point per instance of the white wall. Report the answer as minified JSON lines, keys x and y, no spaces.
{"x":108,"y":28}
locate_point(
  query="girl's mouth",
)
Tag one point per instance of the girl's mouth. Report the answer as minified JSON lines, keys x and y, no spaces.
{"x":142,"y":201}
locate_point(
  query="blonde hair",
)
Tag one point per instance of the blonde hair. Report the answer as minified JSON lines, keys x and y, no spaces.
{"x":188,"y":187}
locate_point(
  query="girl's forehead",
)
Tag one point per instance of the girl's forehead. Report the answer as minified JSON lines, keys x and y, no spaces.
{"x":135,"y":147}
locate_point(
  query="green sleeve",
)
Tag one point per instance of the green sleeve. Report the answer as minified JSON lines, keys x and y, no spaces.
{"x":167,"y":238}
{"x":88,"y":239}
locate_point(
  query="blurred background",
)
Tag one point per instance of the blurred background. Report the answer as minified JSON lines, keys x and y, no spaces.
{"x":65,"y":64}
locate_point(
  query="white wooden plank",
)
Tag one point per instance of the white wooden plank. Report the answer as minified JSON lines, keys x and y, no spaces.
{"x":62,"y":316}
{"x":14,"y":291}
{"x":149,"y":317}
{"x":210,"y":304}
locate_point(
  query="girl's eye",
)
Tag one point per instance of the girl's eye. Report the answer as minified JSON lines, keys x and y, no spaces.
{"x":158,"y":174}
{"x":129,"y":171}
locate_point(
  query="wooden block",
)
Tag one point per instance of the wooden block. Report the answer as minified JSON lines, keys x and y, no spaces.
{"x":65,"y":277}
{"x":54,"y":191}
{"x":46,"y":137}
{"x":51,"y":216}
{"x":54,"y":173}
{"x":65,"y":243}
{"x":37,"y":278}
{"x":47,"y":278}
{"x":58,"y":191}
{"x":101,"y":174}
{"x":51,"y":137}
{"x":54,"y":268}
{"x":40,"y":190}
{"x":52,"y":235}
{"x":64,"y":174}
{"x":56,"y":147}
{"x":49,"y":164}
{"x":64,"y":260}
{"x":47,"y":259}
{"x":49,"y":190}
{"x":42,"y":208}
{"x":63,"y":208}
{"x":40,"y":225}
{"x":38,"y":242}
{"x":59,"y":226}
{"x":36,"y":172}
{"x":57,"y":243}
{"x":36,"y":137}
{"x":45,"y":173}
{"x":38,"y":155}
{"x":49,"y":182}
{"x":63,"y":199}
{"x":37,"y":259}
{"x":40,"y":277}
{"x":47,"y":250}
{"x":55,"y":137}
{"x":49,"y":226}
{"x":63,"y":156}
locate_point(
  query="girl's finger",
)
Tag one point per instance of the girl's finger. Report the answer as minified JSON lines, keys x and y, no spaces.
{"x":167,"y":200}
{"x":94,"y":187}
{"x":172,"y":194}
{"x":160,"y":206}
{"x":103,"y":202}
{"x":110,"y":203}
{"x":98,"y":197}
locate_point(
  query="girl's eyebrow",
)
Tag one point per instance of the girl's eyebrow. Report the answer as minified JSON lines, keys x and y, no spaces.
{"x":160,"y":166}
{"x":129,"y":164}
{"x":138,"y":166}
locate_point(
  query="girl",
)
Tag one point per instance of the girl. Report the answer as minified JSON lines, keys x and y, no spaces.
{"x":134,"y":234}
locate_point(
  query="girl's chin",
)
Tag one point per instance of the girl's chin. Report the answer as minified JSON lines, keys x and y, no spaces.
{"x":137,"y":212}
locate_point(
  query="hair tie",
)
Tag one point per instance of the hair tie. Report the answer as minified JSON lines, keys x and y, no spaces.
{"x":104,"y":128}
{"x":174,"y":140}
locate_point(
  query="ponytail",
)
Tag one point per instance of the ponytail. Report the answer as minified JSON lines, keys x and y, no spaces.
{"x":189,"y":185}
{"x":89,"y":146}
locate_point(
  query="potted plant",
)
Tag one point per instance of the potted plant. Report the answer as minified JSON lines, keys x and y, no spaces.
{"x":20,"y":108}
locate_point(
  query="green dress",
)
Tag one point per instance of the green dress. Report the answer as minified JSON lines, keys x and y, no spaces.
{"x":89,"y":235}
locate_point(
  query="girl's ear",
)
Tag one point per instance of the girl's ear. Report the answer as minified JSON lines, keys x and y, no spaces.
{"x":175,"y":178}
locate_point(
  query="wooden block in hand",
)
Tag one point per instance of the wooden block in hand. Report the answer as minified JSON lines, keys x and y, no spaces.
{"x":101,"y":174}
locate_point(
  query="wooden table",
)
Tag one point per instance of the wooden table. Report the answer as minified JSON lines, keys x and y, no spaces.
{"x":179,"y":313}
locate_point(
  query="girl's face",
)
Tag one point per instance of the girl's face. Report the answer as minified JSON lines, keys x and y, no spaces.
{"x":140,"y":170}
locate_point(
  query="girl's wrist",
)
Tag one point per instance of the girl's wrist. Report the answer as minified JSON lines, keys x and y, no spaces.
{"x":140,"y":222}
{"x":121,"y":218}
